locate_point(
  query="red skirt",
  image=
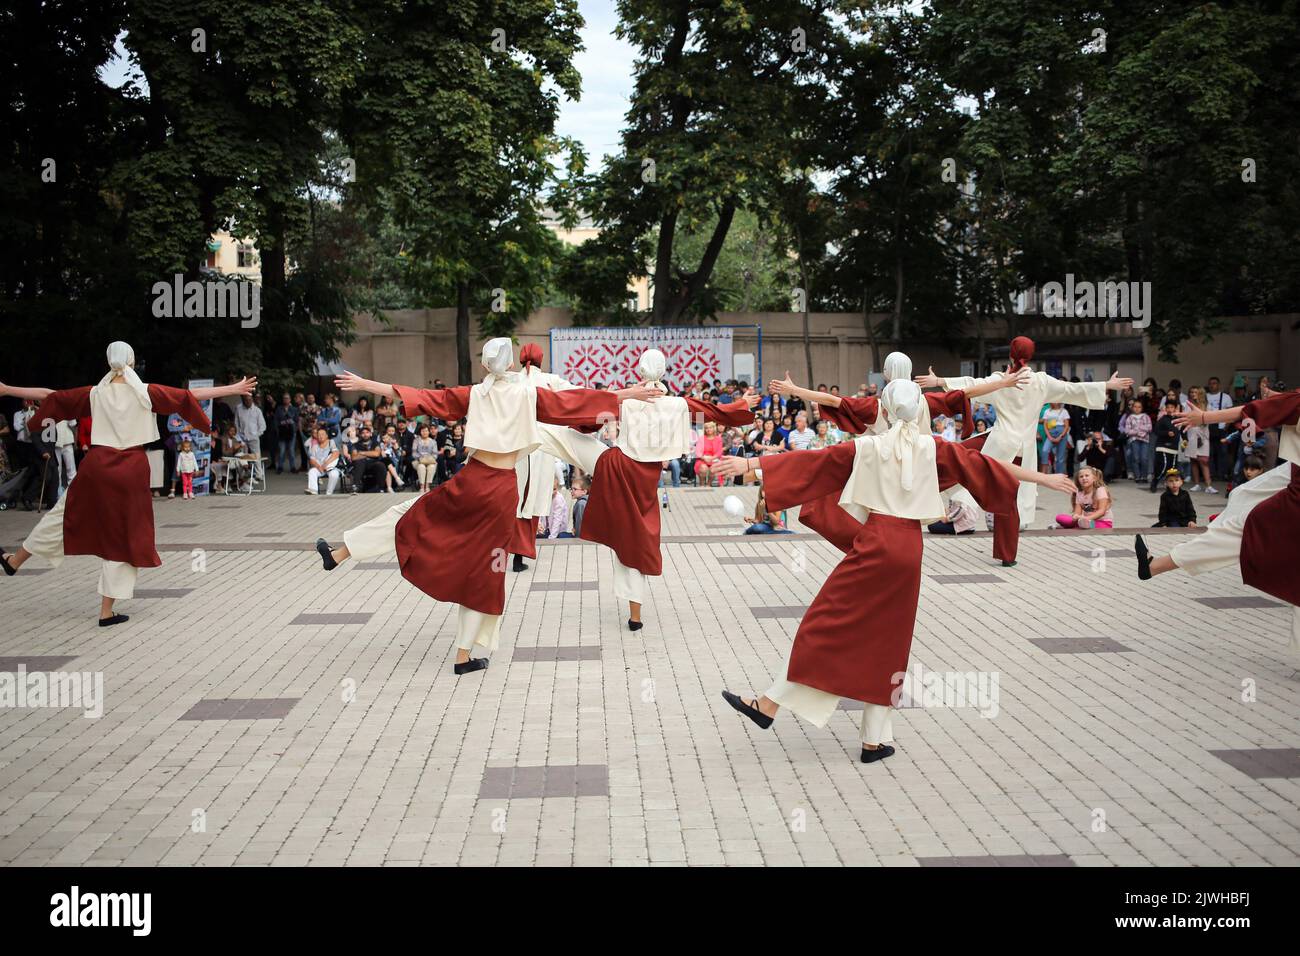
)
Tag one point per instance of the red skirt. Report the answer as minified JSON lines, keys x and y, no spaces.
{"x":623,"y":510}
{"x":1270,"y":543}
{"x":857,"y":634}
{"x":523,"y":538}
{"x":109,"y":511}
{"x":452,"y":543}
{"x":828,"y":519}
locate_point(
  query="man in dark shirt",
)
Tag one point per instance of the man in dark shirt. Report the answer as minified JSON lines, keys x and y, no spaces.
{"x":1166,"y":438}
{"x":367,"y":460}
{"x":1176,"y":508}
{"x":285,"y":422}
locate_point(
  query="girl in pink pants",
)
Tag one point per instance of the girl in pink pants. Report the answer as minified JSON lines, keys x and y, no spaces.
{"x":1091,"y":502}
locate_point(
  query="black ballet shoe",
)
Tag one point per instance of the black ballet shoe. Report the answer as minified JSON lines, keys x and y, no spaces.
{"x":634,"y":625}
{"x":1008,"y":564}
{"x":880,"y":753}
{"x":471,"y":665}
{"x":749,"y":710}
{"x":518,"y":564}
{"x":1144,"y":558}
{"x":326,"y":554}
{"x":115,"y":619}
{"x":10,"y":570}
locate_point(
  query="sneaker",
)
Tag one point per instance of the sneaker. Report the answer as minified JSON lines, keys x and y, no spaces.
{"x":1194,"y":488}
{"x":1210,"y":490}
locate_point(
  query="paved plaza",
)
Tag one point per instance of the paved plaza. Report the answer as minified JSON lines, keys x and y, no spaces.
{"x":259,"y":711}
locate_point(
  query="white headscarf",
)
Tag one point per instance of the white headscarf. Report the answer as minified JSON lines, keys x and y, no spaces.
{"x":902,"y":401}
{"x":121,"y":359}
{"x":898,"y":365}
{"x":498,"y":356}
{"x":651,"y":365}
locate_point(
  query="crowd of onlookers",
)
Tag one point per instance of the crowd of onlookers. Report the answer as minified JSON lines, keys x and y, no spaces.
{"x":372,"y":447}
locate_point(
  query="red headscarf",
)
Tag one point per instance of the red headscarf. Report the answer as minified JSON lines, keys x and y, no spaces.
{"x":1022,"y":350}
{"x":531,"y":354}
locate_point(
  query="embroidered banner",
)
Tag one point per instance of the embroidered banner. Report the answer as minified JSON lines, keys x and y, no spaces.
{"x":607,"y":356}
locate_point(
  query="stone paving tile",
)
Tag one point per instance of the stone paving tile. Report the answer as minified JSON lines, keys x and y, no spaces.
{"x":746,"y":559}
{"x":1237,"y":602}
{"x":233,"y":708}
{"x":565,"y":586}
{"x":587,"y":652}
{"x":1263,"y":763}
{"x":30,"y":663}
{"x":162,"y":593}
{"x":966,"y":579}
{"x":348,"y":618}
{"x":1079,"y":645}
{"x":1051,"y":859}
{"x":384,"y":755}
{"x":795,"y":611}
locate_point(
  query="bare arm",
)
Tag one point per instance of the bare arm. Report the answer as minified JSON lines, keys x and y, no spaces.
{"x":351,"y":382}
{"x":35,"y":394}
{"x":1200,"y":416}
{"x":1061,"y":483}
{"x":244,"y":386}
{"x":788,"y":388}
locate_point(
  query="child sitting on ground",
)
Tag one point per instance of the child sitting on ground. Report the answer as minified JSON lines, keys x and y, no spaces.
{"x":1091,"y":502}
{"x":1176,"y":508}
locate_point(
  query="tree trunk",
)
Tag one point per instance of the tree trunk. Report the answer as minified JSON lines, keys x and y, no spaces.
{"x":870,"y":327}
{"x":463,"y":376}
{"x":898,"y":301}
{"x":663,"y":278}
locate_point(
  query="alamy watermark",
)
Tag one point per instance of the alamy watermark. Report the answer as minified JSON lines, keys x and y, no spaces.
{"x":919,"y":687}
{"x":210,"y":299}
{"x":53,"y":689}
{"x":1098,"y":300}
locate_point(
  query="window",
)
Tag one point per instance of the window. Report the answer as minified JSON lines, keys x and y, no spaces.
{"x":246,"y":258}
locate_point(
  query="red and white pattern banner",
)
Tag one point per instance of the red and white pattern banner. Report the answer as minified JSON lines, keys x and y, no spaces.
{"x":591,"y":356}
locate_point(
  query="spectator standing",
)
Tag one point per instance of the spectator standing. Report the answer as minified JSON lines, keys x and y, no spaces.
{"x":1167,"y":439}
{"x":1198,"y":443}
{"x":330,"y":416}
{"x":1216,"y":400}
{"x":1055,"y":421}
{"x":65,"y":445}
{"x":286,"y":433}
{"x":251,"y":424}
{"x":578,"y":491}
{"x":1137,"y":428}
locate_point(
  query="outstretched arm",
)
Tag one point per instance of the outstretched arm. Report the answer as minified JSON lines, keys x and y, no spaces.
{"x":1191,"y":417}
{"x":244,"y":386}
{"x":788,"y":388}
{"x":1007,"y":380}
{"x":35,"y":394}
{"x":1061,"y":483}
{"x":352,"y":382}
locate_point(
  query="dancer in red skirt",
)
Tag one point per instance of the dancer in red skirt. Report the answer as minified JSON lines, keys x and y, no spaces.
{"x":107,"y":510}
{"x":861,"y":416}
{"x":452,"y":542}
{"x":855,"y":638}
{"x":536,"y":471}
{"x":1260,"y":526}
{"x":623,"y":507}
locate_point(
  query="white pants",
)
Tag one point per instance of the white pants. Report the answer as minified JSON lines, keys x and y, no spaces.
{"x":1219,"y":546}
{"x":475,"y":627}
{"x":816,"y":707}
{"x":378,"y":537}
{"x":576,"y":448}
{"x":629,"y":583}
{"x":314,"y":475}
{"x":67,"y":463}
{"x":116,"y":578}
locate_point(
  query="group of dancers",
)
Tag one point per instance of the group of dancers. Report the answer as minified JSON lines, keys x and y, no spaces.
{"x":868,"y":497}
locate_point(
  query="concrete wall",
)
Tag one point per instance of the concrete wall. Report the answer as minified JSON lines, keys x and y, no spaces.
{"x":417,"y":346}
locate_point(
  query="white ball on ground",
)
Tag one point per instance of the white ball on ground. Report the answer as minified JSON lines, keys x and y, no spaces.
{"x":733,"y":506}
